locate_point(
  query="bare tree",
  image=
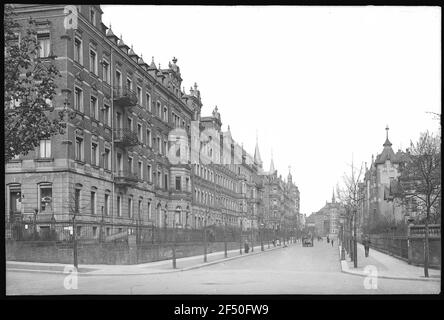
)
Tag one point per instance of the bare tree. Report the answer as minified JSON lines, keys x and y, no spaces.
{"x":351,"y":197}
{"x":420,"y":182}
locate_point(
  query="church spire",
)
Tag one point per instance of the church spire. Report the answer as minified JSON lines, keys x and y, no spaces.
{"x":272,"y":170}
{"x":257,"y":155}
{"x":387,"y":142}
{"x":333,"y":200}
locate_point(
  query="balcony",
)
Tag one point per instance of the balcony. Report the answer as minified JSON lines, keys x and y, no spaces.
{"x":125,"y":138}
{"x":124,"y":97}
{"x":125,"y":178}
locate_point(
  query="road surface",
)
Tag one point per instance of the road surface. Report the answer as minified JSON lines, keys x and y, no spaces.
{"x":291,"y":270}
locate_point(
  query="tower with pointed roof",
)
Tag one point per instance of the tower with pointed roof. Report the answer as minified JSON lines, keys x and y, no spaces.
{"x":383,"y":170}
{"x":272,"y":169}
{"x":257,"y":155}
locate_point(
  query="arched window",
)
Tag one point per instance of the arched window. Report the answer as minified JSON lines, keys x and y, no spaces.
{"x":159,"y":214}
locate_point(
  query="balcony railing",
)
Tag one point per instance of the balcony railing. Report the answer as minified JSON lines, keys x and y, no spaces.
{"x":125,"y":137}
{"x":126,"y":178}
{"x":124,"y":97}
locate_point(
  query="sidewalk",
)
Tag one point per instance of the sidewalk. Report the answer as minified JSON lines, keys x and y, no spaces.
{"x":386,"y":266}
{"x":157,"y":267}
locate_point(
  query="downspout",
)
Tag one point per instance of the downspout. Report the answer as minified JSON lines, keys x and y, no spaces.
{"x":112,"y":72}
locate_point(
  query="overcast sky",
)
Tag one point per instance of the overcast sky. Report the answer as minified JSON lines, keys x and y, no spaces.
{"x":319,"y":84}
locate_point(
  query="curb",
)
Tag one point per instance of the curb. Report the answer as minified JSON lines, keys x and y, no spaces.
{"x":346,"y":269}
{"x":202,"y":265}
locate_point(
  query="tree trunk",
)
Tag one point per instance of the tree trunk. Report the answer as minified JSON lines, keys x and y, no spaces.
{"x":426,"y":246}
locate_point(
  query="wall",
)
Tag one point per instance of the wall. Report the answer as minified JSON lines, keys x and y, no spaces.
{"x":104,"y":253}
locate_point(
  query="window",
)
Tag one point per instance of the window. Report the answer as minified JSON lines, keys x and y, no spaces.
{"x":158,"y":109}
{"x":165,"y":114}
{"x":45,"y":198}
{"x":148,"y":137}
{"x":93,"y":202}
{"x":107,"y":159}
{"x":92,"y":17}
{"x":79,"y":149}
{"x":93,"y":61}
{"x":159,"y":145}
{"x":130,"y":207}
{"x":148,"y":172}
{"x":149,"y":210}
{"x":139,"y":208}
{"x":130,"y":124}
{"x":178,"y":183}
{"x":78,"y":99}
{"x":78,"y":50}
{"x":107,"y":115}
{"x":94,"y":154}
{"x":130,"y":164}
{"x":139,"y":132}
{"x":119,"y":80}
{"x":165,"y":147}
{"x":43,"y":40}
{"x":94,"y":231}
{"x":129,"y":84}
{"x":119,"y":162}
{"x":106,"y":204}
{"x":45,"y":148}
{"x":105,"y":71}
{"x":140,"y":167}
{"x":159,"y":179}
{"x":119,"y":206}
{"x":76,"y":200}
{"x":165,"y":178}
{"x":148,"y":102}
{"x":139,"y":95}
{"x":93,"y":108}
{"x":78,"y":231}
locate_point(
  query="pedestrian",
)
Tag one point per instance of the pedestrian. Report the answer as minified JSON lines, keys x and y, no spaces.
{"x":366,"y":244}
{"x":246,"y":247}
{"x":332,"y":242}
{"x":328,"y":239}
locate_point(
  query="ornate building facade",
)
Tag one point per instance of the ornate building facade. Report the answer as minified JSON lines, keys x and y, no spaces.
{"x":137,"y":150}
{"x":378,"y":207}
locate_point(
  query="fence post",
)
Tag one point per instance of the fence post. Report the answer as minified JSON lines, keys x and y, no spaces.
{"x":409,"y":244}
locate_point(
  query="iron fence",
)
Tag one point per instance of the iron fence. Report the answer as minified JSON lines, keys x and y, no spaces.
{"x":90,"y":232}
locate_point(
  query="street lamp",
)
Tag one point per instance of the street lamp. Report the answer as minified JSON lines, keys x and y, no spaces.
{"x":174,"y":238}
{"x":240,"y":240}
{"x":261,"y":235}
{"x":205,"y":236}
{"x":225,"y":235}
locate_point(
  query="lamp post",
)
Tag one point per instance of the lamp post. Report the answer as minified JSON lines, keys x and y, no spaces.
{"x":225,"y":236}
{"x":252,"y":233}
{"x":174,"y":241}
{"x":36,"y":211}
{"x":205,"y":237}
{"x":74,"y":233}
{"x":240,"y":240}
{"x":261,"y":235}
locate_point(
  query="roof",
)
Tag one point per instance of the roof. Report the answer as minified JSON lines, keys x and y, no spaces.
{"x":387,"y":154}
